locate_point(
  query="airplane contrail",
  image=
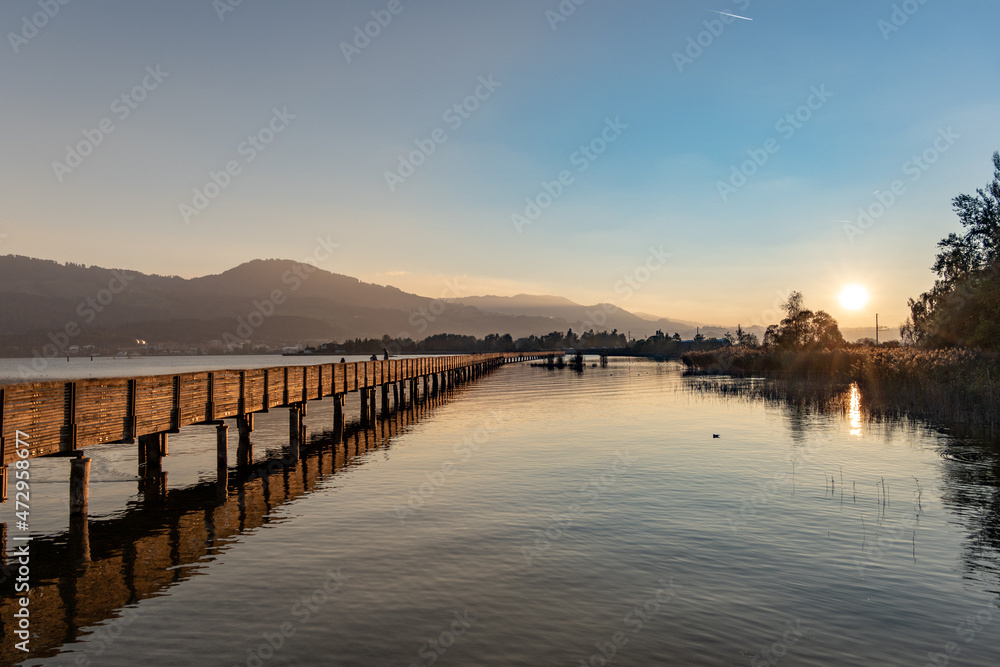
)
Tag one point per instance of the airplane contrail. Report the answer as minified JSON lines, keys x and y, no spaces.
{"x":728,"y":14}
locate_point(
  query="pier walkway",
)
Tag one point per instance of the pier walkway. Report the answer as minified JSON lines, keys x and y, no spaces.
{"x":62,"y":418}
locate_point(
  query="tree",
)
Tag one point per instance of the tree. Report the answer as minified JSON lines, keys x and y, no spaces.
{"x":748,"y":339}
{"x":802,"y":329}
{"x":744,"y":337}
{"x":963,"y":306}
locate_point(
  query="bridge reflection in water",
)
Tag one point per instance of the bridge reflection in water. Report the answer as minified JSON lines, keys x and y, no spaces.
{"x":99,"y":568}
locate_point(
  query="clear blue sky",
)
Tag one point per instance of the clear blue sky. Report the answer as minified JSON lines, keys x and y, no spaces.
{"x":886,"y":95}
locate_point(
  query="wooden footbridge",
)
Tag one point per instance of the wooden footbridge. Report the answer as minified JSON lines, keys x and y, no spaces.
{"x":62,"y":418}
{"x":101,"y":569}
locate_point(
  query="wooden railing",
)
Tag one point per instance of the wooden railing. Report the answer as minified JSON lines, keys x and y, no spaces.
{"x":65,"y":416}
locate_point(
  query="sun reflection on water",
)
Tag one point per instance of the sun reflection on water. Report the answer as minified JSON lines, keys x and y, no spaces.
{"x":854,"y":411}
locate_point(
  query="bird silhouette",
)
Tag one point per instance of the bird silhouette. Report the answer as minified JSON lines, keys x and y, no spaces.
{"x":715,"y":435}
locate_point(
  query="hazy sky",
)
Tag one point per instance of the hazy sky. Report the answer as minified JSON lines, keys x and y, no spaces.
{"x":832,"y":99}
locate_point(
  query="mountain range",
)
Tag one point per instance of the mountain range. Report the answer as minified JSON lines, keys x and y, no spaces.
{"x":270,"y":302}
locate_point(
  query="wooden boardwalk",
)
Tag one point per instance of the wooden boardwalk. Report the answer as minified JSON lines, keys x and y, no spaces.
{"x":61,"y":418}
{"x":100,"y":569}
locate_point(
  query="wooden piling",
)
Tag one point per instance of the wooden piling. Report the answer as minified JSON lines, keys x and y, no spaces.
{"x":364,"y":406}
{"x":79,"y":485}
{"x":150,"y":443}
{"x":294,"y":430}
{"x":294,"y":421}
{"x":244,"y":450}
{"x":3,"y":484}
{"x":244,"y":454}
{"x":338,"y":431}
{"x":338,"y":409}
{"x":222,"y":445}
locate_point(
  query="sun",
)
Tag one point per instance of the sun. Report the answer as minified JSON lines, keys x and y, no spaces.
{"x":853,"y":297}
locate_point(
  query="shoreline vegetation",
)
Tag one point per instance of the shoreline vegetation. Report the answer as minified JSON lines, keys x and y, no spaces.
{"x":954,"y":386}
{"x":949,"y":365}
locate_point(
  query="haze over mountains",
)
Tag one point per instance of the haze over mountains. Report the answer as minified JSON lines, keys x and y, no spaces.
{"x":270,"y":302}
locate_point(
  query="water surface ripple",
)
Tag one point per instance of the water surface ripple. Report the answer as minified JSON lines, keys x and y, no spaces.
{"x":539,"y":517}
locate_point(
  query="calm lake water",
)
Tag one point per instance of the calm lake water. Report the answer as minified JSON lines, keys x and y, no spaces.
{"x":533,"y":517}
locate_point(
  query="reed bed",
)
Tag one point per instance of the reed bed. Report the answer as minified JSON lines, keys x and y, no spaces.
{"x":953,"y":386}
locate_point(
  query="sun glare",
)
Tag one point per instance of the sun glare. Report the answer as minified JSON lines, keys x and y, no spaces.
{"x":853,"y":297}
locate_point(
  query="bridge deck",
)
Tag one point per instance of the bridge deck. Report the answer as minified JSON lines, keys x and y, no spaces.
{"x":59,"y":417}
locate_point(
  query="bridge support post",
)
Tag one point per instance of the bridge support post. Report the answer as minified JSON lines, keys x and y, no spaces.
{"x":338,"y":429}
{"x":295,"y":428}
{"x":222,"y":445}
{"x":434,"y":383}
{"x":79,"y":485}
{"x":395,"y":395}
{"x":244,"y":450}
{"x":3,"y":484}
{"x":152,"y":448}
{"x":338,"y":410}
{"x":364,"y":405}
{"x":385,"y":400}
